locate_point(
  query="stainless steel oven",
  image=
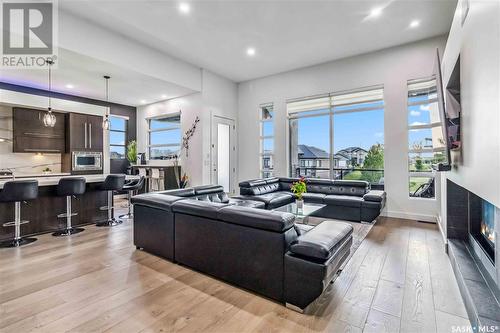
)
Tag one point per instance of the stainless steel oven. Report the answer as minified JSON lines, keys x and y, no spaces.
{"x":86,"y":161}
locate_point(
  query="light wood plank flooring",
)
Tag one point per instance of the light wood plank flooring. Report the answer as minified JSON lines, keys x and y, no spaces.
{"x":399,"y":280}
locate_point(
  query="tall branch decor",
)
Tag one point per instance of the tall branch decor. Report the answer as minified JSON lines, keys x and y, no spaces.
{"x":181,"y":183}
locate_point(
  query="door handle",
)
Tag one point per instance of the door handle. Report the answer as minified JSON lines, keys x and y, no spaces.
{"x":85,"y":135}
{"x":90,"y":135}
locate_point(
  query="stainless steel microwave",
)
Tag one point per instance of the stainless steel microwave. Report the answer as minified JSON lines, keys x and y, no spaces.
{"x":86,"y":161}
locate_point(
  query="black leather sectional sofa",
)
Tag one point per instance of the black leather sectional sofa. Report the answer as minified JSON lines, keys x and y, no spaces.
{"x":344,"y":199}
{"x":239,"y":241}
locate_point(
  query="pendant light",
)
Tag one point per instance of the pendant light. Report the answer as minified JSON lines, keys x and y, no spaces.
{"x":49,"y":119}
{"x":106,"y":124}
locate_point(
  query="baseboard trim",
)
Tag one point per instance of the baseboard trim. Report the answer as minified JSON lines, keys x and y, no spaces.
{"x":411,"y":216}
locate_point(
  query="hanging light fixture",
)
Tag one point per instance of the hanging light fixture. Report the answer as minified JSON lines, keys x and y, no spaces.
{"x":49,"y":119}
{"x":106,"y":124}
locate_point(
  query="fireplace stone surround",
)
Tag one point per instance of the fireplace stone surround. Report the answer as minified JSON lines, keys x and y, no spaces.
{"x":477,"y":273}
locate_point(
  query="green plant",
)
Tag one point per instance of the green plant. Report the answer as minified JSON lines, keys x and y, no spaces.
{"x":132,"y":151}
{"x":47,"y":169}
{"x":299,"y":188}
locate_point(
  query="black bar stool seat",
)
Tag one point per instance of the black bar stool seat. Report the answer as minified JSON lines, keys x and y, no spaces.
{"x":18,"y":191}
{"x":110,"y":184}
{"x":69,"y":187}
{"x":131,"y":187}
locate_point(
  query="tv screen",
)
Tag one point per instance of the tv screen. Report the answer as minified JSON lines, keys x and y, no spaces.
{"x":449,"y":113}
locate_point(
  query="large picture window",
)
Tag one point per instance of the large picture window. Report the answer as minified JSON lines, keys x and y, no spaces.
{"x":338,"y":136}
{"x":117,"y":137}
{"x":266,"y":140}
{"x":164,"y":136}
{"x":425,"y":137}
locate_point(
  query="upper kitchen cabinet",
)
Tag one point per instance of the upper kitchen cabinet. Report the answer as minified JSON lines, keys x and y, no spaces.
{"x":84,"y":132}
{"x":30,"y":135}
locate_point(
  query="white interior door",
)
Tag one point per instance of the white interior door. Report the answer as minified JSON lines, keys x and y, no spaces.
{"x":223,"y":151}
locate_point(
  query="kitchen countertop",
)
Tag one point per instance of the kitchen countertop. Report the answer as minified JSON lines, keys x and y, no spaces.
{"x":35,"y":175}
{"x":54,"y":180}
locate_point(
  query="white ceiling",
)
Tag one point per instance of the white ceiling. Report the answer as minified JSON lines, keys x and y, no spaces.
{"x":86,"y":75}
{"x":287,"y":34}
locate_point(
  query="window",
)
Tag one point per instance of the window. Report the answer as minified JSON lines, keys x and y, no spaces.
{"x":426,"y":145}
{"x":338,"y":136}
{"x":164,"y":137}
{"x":117,"y":137}
{"x":266,"y":140}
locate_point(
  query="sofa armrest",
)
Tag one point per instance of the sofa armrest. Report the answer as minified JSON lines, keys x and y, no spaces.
{"x":375,"y":196}
{"x":323,"y":241}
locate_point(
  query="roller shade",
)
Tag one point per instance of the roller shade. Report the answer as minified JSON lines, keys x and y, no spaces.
{"x":311,"y":104}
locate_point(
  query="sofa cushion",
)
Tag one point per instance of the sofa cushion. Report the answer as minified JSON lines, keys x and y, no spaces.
{"x":301,"y":228}
{"x":181,"y":192}
{"x":350,"y":187}
{"x":198,"y":208}
{"x":206,"y":189}
{"x":156,"y":200}
{"x":257,"y":218}
{"x":275,"y":199}
{"x":322,"y":241}
{"x":213,"y":197}
{"x":252,"y":182}
{"x":343,"y":200}
{"x":314,"y":197}
{"x":247,"y":203}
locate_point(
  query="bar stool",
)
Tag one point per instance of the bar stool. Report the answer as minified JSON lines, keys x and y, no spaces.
{"x":143,"y":172}
{"x":131,"y":187}
{"x":111,"y":183}
{"x":69,"y":187}
{"x":156,"y":179}
{"x":18,"y":191}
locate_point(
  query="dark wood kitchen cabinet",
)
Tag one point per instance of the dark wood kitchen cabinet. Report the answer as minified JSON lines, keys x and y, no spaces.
{"x":31,"y":136}
{"x":84,"y":132}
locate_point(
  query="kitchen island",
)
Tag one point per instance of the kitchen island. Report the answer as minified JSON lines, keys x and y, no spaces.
{"x":42,"y":212}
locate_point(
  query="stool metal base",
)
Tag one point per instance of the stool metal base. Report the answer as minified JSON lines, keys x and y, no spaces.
{"x":109,"y":223}
{"x":67,"y":232}
{"x":127,"y":216}
{"x":17,"y":242}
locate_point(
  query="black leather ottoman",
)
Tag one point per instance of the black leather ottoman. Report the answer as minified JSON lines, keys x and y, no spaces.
{"x":313,"y":260}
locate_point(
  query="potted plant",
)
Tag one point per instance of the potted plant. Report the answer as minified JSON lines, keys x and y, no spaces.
{"x":299,"y":188}
{"x":132,"y":152}
{"x":46,"y":171}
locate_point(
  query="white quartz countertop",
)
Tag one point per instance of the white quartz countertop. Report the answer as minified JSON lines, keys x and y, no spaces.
{"x":53,"y":180}
{"x":36,"y":175}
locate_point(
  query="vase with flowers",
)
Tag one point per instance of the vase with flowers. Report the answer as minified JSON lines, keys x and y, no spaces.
{"x":299,"y":188}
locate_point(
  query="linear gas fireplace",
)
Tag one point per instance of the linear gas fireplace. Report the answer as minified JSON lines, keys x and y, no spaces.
{"x":482,"y":224}
{"x":472,"y":228}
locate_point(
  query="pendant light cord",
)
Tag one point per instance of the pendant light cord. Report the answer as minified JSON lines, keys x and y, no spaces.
{"x":50,"y":62}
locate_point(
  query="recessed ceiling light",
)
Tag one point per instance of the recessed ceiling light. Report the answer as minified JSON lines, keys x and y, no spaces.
{"x":70,"y":86}
{"x":164,"y":96}
{"x":251,"y":51}
{"x":376,"y":12}
{"x":143,"y":101}
{"x":184,"y":8}
{"x":414,"y":23}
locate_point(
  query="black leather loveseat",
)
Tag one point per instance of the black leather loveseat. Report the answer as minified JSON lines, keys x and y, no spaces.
{"x":257,"y":249}
{"x":344,"y":199}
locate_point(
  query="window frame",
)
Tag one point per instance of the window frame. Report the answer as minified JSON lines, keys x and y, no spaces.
{"x":264,"y":171}
{"x":431,"y":125}
{"x":164,"y":129}
{"x":329,"y":105}
{"x":125,"y":132}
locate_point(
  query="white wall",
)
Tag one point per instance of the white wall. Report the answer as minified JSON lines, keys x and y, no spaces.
{"x":218,"y":97}
{"x":391,"y":67}
{"x":478,"y":44}
{"x":477,"y":166}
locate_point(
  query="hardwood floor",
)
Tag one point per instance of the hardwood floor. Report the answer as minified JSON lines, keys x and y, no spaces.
{"x":399,"y":280}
